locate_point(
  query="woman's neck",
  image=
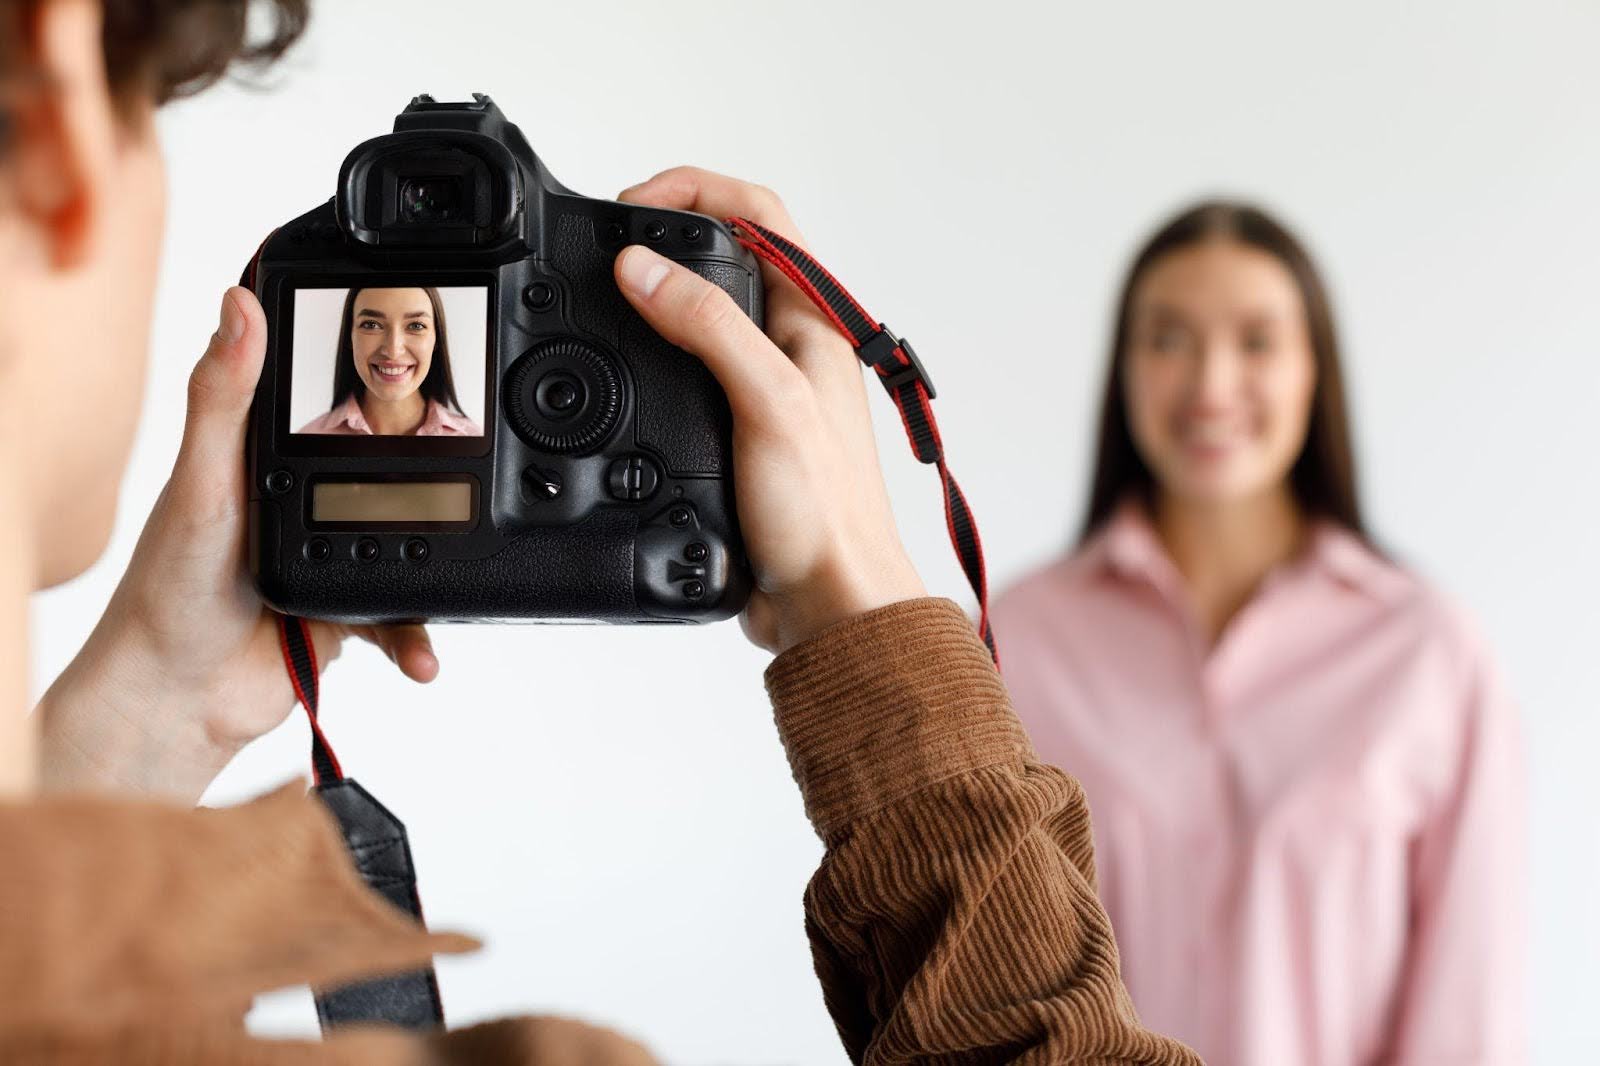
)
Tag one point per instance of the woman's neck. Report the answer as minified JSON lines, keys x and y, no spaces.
{"x":397,"y":418}
{"x":1224,"y":550}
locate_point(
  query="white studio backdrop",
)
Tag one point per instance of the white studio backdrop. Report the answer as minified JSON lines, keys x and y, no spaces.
{"x":317,"y":315}
{"x":610,"y":808}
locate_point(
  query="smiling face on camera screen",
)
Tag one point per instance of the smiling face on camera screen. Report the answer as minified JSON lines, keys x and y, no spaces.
{"x":392,"y":337}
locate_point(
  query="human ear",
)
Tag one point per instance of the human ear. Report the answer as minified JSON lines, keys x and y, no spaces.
{"x":63,"y":131}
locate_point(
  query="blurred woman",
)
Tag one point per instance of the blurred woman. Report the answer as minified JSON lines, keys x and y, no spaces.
{"x":392,"y":373}
{"x":1304,"y":775}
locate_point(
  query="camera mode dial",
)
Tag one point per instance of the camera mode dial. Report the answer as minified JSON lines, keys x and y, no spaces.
{"x":563,"y":396}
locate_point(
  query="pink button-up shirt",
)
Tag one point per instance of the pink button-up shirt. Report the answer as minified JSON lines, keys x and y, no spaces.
{"x":438,"y":421}
{"x":1310,"y":836}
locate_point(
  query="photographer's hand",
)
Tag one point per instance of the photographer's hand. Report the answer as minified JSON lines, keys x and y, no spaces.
{"x":812,"y":504}
{"x":184,"y":667}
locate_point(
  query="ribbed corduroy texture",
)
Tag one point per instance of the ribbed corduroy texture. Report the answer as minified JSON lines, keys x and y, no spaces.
{"x":953,"y":919}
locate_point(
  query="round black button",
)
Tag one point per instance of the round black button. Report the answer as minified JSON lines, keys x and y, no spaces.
{"x":366,"y":550}
{"x":615,"y":231}
{"x":416,"y":549}
{"x":679,"y":517}
{"x":319,"y":551}
{"x":540,"y":296}
{"x":280,"y":482}
{"x":694,"y":589}
{"x":559,"y":395}
{"x":696,"y":552}
{"x":655,"y":230}
{"x":691,"y":232}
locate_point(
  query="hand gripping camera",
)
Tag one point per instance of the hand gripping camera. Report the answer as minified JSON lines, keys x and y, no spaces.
{"x":461,"y":419}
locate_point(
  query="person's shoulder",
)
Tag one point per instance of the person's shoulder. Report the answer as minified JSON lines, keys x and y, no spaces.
{"x":1411,"y":603}
{"x":343,"y":418}
{"x":1047,"y":590}
{"x":327,"y":422}
{"x":447,"y":421}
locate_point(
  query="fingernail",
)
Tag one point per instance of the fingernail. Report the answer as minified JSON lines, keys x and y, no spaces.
{"x":231,"y":325}
{"x":642,"y":270}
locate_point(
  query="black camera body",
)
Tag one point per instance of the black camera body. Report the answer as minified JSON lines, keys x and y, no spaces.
{"x":599,"y":486}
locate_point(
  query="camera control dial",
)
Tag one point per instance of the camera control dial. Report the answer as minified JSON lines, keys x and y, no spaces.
{"x":563,"y":396}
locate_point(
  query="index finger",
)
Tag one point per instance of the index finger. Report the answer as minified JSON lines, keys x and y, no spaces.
{"x":717,"y":195}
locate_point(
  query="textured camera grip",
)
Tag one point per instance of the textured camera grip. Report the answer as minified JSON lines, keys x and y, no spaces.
{"x":682,"y":414}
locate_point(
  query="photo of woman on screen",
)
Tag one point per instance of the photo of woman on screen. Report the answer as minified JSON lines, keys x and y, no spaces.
{"x":392,"y":374}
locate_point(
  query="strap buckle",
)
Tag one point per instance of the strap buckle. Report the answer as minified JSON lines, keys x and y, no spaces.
{"x":877,"y":351}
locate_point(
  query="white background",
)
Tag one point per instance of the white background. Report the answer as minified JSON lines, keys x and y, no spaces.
{"x":316,"y":346}
{"x":610,"y":808}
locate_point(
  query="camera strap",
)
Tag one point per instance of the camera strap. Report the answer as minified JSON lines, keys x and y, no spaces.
{"x":377,"y":839}
{"x":902,"y":374}
{"x":377,"y":842}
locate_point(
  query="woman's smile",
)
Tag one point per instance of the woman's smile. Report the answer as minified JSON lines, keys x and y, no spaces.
{"x":394,"y":372}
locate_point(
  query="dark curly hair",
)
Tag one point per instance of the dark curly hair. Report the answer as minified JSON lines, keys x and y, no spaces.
{"x":161,"y":49}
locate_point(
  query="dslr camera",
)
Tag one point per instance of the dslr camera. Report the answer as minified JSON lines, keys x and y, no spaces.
{"x":461,"y":419}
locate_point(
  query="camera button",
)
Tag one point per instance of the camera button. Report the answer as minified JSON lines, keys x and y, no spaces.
{"x":416,"y":550}
{"x":366,"y":550}
{"x":539,"y":296}
{"x":319,"y":550}
{"x":655,"y":230}
{"x":633,"y":478}
{"x":538,"y":485}
{"x":280,"y":482}
{"x":691,"y":232}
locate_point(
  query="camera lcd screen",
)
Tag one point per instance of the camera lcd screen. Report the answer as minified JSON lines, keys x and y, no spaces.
{"x":395,"y":502}
{"x":397,"y":361}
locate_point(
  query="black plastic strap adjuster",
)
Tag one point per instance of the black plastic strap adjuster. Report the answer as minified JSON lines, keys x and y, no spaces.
{"x":877,"y":351}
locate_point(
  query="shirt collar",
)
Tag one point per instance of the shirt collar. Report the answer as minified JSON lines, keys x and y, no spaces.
{"x":1127,"y":544}
{"x":440,"y":420}
{"x":1350,"y":560}
{"x":437,"y":420}
{"x":349,"y":414}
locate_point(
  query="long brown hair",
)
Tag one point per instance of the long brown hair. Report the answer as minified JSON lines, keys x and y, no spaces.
{"x":439,"y":385}
{"x":1323,"y":477}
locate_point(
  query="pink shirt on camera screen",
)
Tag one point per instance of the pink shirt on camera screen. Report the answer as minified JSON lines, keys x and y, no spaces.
{"x":439,"y":421}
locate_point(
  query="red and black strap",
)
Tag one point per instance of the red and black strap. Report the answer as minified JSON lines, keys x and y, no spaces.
{"x":902,"y":374}
{"x":377,"y":840}
{"x":294,"y":634}
{"x":382,"y":855}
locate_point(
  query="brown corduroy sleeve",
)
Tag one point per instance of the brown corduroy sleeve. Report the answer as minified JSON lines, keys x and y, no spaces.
{"x":954,"y":917}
